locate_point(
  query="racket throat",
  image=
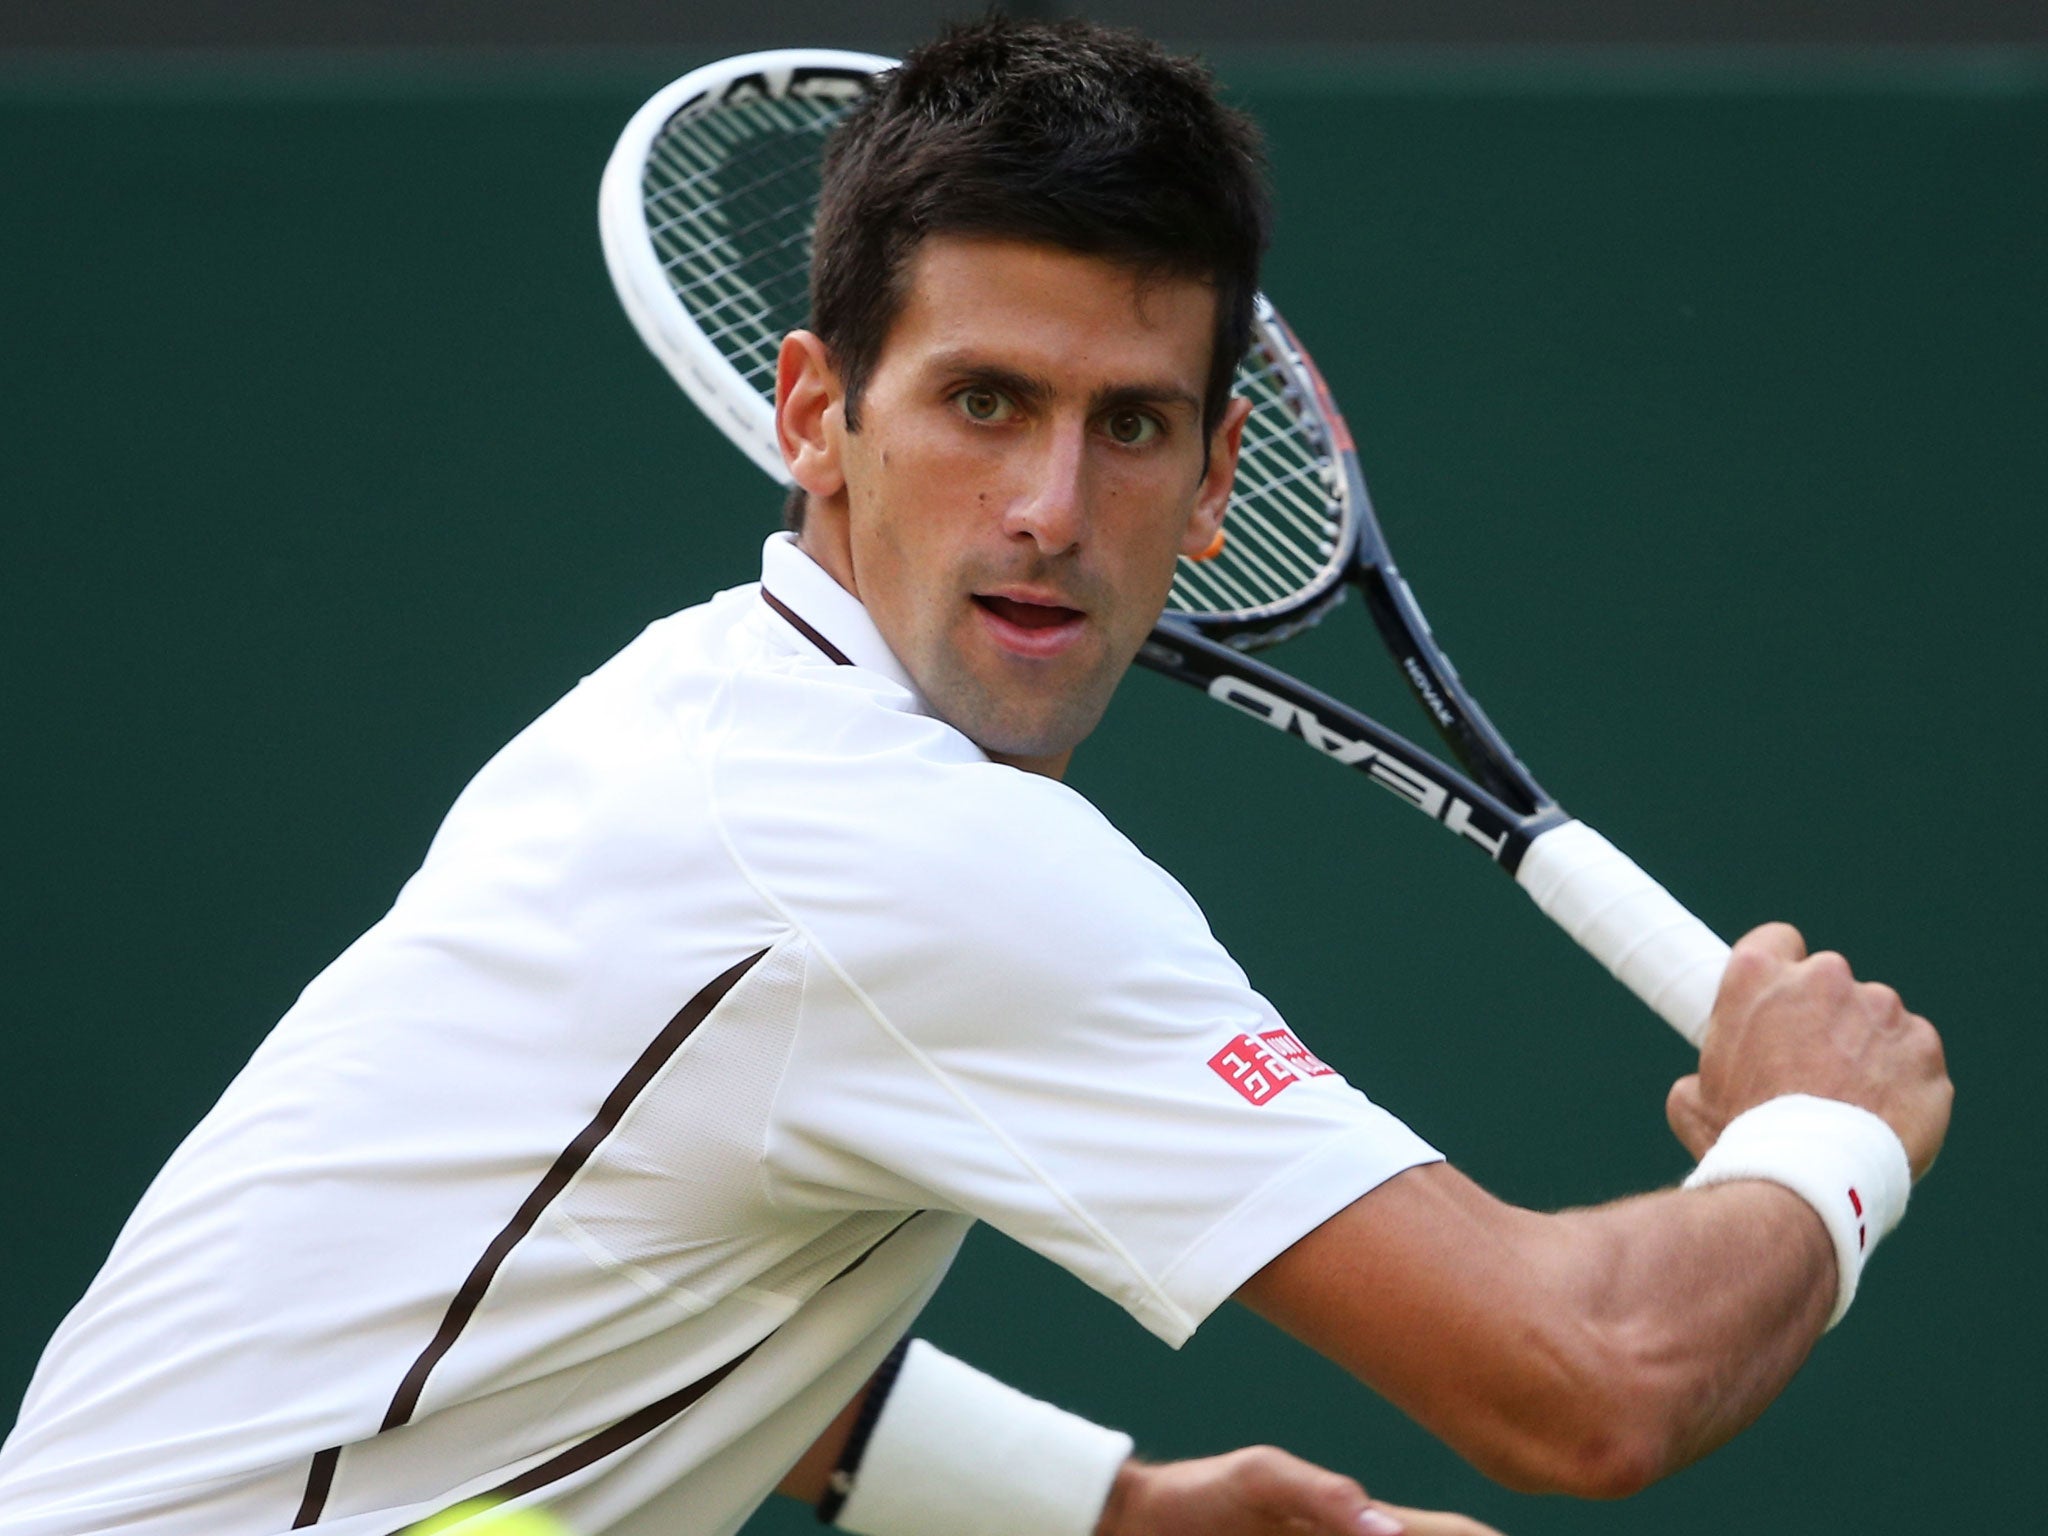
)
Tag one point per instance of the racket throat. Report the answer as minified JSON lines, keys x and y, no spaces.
{"x":1435,"y":800}
{"x":1479,"y":747}
{"x":1465,"y":809}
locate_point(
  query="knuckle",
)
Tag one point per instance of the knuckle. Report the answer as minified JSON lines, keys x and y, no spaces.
{"x":1263,"y":1465}
{"x":1830,"y":968}
{"x":1343,"y":1493}
{"x":1928,"y":1040}
{"x":1774,"y":938}
{"x":1749,"y":970}
{"x":1758,"y":956}
{"x":1752,"y":952}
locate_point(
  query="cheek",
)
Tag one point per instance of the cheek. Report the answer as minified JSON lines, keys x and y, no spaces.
{"x":1156,"y":502}
{"x":905,"y":551}
{"x":1170,"y":477}
{"x":922,"y":466}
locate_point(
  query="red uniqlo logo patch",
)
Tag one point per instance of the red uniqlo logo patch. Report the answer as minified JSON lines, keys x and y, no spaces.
{"x":1286,"y":1044}
{"x":1260,"y":1066}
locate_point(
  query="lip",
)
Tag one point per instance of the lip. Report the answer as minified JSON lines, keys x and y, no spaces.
{"x":1036,"y":640}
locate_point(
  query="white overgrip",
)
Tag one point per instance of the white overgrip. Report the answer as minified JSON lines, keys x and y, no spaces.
{"x":1628,"y":922}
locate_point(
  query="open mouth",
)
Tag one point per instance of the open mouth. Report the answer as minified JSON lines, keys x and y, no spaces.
{"x":1033,"y":631}
{"x":1028,"y":615}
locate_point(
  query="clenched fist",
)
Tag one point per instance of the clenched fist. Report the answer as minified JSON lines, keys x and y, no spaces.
{"x":1789,"y":1022}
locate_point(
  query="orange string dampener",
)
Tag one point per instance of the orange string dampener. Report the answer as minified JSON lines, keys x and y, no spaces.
{"x":1215,"y":547}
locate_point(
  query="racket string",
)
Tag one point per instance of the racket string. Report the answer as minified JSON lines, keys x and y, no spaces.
{"x":729,"y":197}
{"x":1282,"y":530}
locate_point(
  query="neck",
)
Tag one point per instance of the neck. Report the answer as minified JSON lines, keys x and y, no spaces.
{"x":825,"y":540}
{"x":1054,"y":767}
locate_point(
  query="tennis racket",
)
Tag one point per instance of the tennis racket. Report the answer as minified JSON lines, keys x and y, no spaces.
{"x":705,"y":211}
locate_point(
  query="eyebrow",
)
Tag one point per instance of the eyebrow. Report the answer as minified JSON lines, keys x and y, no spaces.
{"x":1031,"y":389}
{"x":1142,"y":393}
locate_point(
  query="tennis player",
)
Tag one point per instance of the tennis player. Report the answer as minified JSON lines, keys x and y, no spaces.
{"x":610,"y":1170}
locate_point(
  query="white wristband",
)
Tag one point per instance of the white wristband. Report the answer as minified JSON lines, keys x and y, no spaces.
{"x":957,"y":1453}
{"x":1845,"y":1162}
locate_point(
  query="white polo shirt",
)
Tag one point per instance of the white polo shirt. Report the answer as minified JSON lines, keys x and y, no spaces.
{"x":605,"y":1168}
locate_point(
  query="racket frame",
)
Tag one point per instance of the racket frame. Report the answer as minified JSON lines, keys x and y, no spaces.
{"x":690,"y":357}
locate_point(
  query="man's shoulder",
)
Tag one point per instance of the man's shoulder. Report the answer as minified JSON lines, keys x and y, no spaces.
{"x":701,"y":636}
{"x":804,"y":748}
{"x":618,"y":749}
{"x":880,"y":830}
{"x":654,"y":691}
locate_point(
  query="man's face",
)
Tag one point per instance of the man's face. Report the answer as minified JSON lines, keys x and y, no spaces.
{"x":1029,"y":465}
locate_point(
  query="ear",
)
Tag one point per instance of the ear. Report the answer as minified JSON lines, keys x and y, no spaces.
{"x":1212,"y":496}
{"x":808,"y":423}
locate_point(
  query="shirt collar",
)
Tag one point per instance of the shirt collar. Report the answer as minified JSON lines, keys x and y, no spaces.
{"x":808,"y":591}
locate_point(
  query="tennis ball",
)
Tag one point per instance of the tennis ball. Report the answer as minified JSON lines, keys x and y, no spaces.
{"x":479,"y":1517}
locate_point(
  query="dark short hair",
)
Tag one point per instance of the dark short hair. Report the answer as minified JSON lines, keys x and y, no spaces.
{"x":1069,"y":134}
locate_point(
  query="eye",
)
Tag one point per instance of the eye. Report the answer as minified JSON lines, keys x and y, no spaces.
{"x":980,"y":403}
{"x":1131,"y":427}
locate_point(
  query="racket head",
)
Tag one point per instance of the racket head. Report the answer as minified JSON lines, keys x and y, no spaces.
{"x":705,"y":211}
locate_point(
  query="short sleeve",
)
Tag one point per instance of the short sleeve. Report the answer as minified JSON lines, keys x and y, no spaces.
{"x":1010,"y":1012}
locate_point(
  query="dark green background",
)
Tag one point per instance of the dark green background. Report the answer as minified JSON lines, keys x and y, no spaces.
{"x":1704,"y":401}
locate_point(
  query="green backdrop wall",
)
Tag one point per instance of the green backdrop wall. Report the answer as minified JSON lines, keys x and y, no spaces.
{"x":1704,"y":402}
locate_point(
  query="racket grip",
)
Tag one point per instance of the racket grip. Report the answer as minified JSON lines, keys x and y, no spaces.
{"x":1628,"y":922}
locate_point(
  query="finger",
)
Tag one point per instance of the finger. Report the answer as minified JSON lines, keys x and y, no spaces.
{"x":1759,"y":957}
{"x":1685,"y":1110}
{"x":1437,"y":1522}
{"x":1300,"y":1491}
{"x":1267,"y":1485}
{"x":1777,"y":941}
{"x":1682,"y":1104}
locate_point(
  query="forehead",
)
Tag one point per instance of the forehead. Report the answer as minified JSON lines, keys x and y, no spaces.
{"x":1054,"y":313}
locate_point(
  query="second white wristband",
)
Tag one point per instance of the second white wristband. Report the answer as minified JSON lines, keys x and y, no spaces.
{"x":1844,"y":1161}
{"x":957,"y":1453}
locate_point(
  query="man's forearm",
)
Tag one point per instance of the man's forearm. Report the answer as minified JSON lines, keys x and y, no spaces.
{"x":1588,"y":1352}
{"x":1709,"y":1300}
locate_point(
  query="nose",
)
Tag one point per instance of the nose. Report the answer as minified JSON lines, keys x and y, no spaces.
{"x":1051,"y":509}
